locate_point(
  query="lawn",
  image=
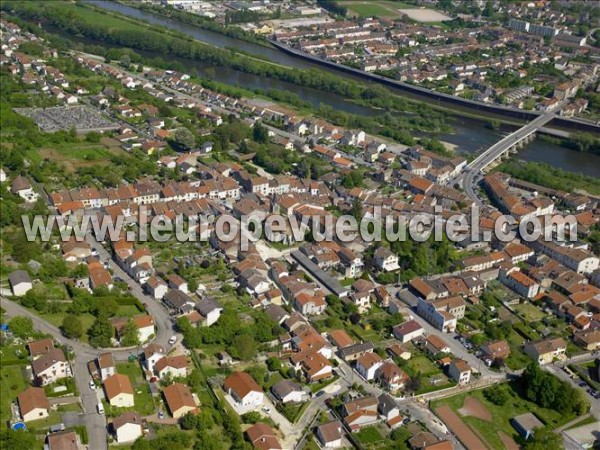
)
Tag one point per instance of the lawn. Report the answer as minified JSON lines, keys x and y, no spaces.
{"x":12,"y":383}
{"x":57,"y":319}
{"x":529,"y":312}
{"x":144,"y":403}
{"x":424,"y":365}
{"x":501,"y":414}
{"x":369,"y":435}
{"x":128,"y":311}
{"x":375,"y":8}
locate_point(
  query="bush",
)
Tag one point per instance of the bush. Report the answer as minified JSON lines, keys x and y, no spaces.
{"x":497,"y":394}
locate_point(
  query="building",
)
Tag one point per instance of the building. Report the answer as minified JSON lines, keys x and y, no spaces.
{"x":64,"y":440}
{"x":582,"y":438}
{"x":386,"y":260}
{"x":152,"y":354}
{"x":288,"y":391}
{"x":526,"y":424}
{"x":33,"y":404}
{"x":330,"y":434}
{"x":156,"y":287}
{"x":175,"y":366}
{"x":40,"y":347}
{"x":368,"y":364}
{"x":106,"y":364}
{"x":408,"y":331}
{"x":437,"y":313}
{"x":210,"y":311}
{"x":179,"y":400}
{"x":20,"y":283}
{"x":496,"y":350}
{"x":119,"y":391}
{"x":127,"y":427}
{"x":51,"y":367}
{"x":244,"y":389}
{"x":460,"y":371}
{"x":263,"y":437}
{"x":391,"y":377}
{"x":520,"y":283}
{"x":544,"y":352}
{"x":435,"y":345}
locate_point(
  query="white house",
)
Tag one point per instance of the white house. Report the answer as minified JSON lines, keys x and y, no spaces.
{"x":288,"y":391}
{"x":368,"y":364}
{"x":330,"y":434}
{"x":210,"y":311}
{"x":243,"y":389}
{"x":33,"y":404}
{"x":460,"y":371}
{"x":176,"y":366}
{"x":386,"y":260}
{"x":22,"y":187}
{"x":119,"y":391}
{"x":128,"y":427}
{"x":106,"y":364}
{"x":407,"y":331}
{"x":520,"y":283}
{"x":20,"y":283}
{"x":156,"y":287}
{"x":51,"y":367}
{"x":152,"y":354}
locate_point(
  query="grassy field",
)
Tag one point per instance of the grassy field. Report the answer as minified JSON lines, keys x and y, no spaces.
{"x":375,"y":8}
{"x":424,"y":365}
{"x":501,"y":415}
{"x":529,"y":312}
{"x":12,"y":383}
{"x":369,"y":435}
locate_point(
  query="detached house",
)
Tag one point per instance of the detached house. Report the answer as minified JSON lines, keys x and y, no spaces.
{"x":368,"y":364}
{"x":330,"y":434}
{"x":33,"y":404}
{"x":179,"y":400}
{"x":127,"y":427}
{"x":51,"y":367}
{"x":243,"y":389}
{"x":460,"y":371}
{"x":545,"y":351}
{"x":386,"y":260}
{"x":119,"y":391}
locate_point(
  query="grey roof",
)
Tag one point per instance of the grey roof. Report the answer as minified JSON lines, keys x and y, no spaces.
{"x":386,"y":403}
{"x":18,"y":277}
{"x":176,"y":298}
{"x":207,"y":305}
{"x":276,"y":312}
{"x":527,"y":422}
{"x":285,"y":387}
{"x":330,"y":283}
{"x":357,"y":348}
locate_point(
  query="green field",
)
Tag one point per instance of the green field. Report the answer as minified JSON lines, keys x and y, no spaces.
{"x":12,"y":383}
{"x":144,"y":403}
{"x":501,"y":415}
{"x":375,"y":8}
{"x":369,"y":435}
{"x":529,"y":312}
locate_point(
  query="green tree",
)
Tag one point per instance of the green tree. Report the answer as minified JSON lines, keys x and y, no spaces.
{"x":129,"y":334}
{"x":244,"y":346}
{"x":189,"y":421}
{"x":543,"y":439}
{"x":21,"y":327}
{"x":72,"y":326}
{"x":21,"y":440}
{"x":260,"y":133}
{"x":184,"y":139}
{"x":101,"y":332}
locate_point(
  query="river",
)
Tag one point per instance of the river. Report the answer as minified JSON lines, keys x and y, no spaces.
{"x":469,"y":135}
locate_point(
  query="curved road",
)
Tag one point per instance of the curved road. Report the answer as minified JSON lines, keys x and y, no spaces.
{"x":94,"y":422}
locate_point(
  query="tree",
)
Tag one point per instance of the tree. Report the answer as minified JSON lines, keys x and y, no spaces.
{"x":357,"y":209}
{"x":184,"y":139}
{"x":129,"y":334}
{"x":17,"y":440}
{"x":189,"y":421}
{"x":72,"y":326}
{"x":496,"y":394}
{"x":244,"y":347}
{"x":260,"y":133}
{"x":543,"y":439}
{"x":21,"y":327}
{"x":101,"y":333}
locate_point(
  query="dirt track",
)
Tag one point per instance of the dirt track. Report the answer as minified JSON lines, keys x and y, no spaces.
{"x":460,"y":429}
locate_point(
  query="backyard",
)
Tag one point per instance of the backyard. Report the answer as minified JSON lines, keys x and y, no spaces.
{"x":144,"y":403}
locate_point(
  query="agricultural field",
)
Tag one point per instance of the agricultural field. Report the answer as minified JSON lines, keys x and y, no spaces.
{"x":375,"y":8}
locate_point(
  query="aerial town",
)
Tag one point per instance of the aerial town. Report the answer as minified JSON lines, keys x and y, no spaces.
{"x":120,"y":119}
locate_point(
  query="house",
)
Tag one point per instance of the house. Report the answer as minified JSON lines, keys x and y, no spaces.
{"x":399,"y":351}
{"x":389,"y":410}
{"x":210,"y":311}
{"x":288,"y":391}
{"x":353,"y":352}
{"x":310,"y":304}
{"x":33,"y":404}
{"x":50,"y":367}
{"x":176,"y":282}
{"x":526,"y":424}
{"x":340,"y":339}
{"x":22,"y":187}
{"x":64,"y":440}
{"x":106,"y":364}
{"x":144,"y":324}
{"x":175,"y":366}
{"x":119,"y":391}
{"x":263,"y":437}
{"x":244,"y":389}
{"x":127,"y":427}
{"x":330,"y":434}
{"x":497,"y":350}
{"x":368,"y":364}
{"x":20,"y":283}
{"x":40,"y":347}
{"x":435,"y":345}
{"x":156,"y":287}
{"x":360,"y":412}
{"x":520,"y":283}
{"x":391,"y":376}
{"x":316,"y":367}
{"x":460,"y":371}
{"x":589,"y":339}
{"x":152,"y":354}
{"x":386,"y":260}
{"x":408,"y":331}
{"x":74,"y":250}
{"x":179,"y":400}
{"x":545,"y":351}
{"x":178,"y":301}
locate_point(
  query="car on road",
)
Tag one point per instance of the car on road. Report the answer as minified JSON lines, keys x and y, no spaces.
{"x":319,"y":393}
{"x":172,"y":340}
{"x":582,"y":384}
{"x":95,"y":252}
{"x":100,"y":408}
{"x":266,"y":409}
{"x":92,"y":385}
{"x":161,"y":415}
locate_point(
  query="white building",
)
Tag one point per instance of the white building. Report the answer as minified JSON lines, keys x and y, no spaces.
{"x":244,"y":390}
{"x":128,"y":427}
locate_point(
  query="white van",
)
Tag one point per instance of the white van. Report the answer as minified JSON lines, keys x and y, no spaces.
{"x":100,"y":408}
